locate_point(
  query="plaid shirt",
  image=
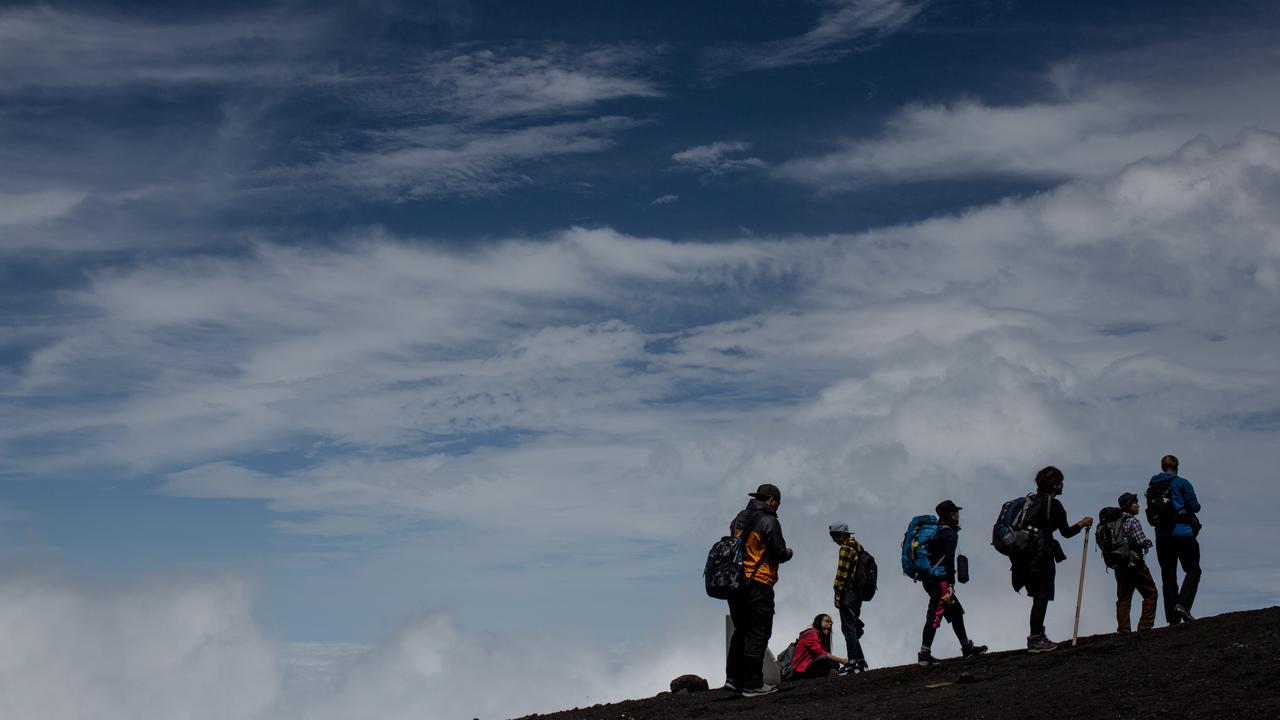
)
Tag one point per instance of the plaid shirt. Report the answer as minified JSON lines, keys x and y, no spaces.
{"x":1133,"y":531}
{"x":849,"y":550}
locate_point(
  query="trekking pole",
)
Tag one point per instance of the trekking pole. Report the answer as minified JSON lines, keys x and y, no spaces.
{"x":1084,"y":555}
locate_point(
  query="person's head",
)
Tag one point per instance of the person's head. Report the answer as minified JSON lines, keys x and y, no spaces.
{"x":769,"y":494}
{"x":1049,"y":480}
{"x":839,"y":532}
{"x":1169,"y":464}
{"x":949,"y":513}
{"x":1128,"y":502}
{"x":823,"y":624}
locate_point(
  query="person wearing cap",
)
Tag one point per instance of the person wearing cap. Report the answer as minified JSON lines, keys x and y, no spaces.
{"x":943,"y":602}
{"x":1136,"y":576}
{"x":1036,"y":569}
{"x":847,"y":600}
{"x":752,"y":609}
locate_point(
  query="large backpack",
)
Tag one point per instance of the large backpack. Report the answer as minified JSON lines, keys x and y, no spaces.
{"x":916,"y":561}
{"x":1111,"y":540}
{"x":723,"y":574}
{"x":864,"y":575}
{"x":784,"y":662}
{"x":1160,"y":511}
{"x":1009,"y":535}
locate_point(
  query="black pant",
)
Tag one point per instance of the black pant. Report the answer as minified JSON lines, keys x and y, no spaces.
{"x":939,"y":609}
{"x":1172,"y":551}
{"x":752,"y":613}
{"x":851,"y":623}
{"x":817,"y":668}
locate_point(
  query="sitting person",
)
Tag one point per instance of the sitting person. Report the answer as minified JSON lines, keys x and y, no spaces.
{"x":812,"y":657}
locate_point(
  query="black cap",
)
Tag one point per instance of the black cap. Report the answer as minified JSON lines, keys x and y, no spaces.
{"x":946,"y":507}
{"x":766,"y":491}
{"x":1126,"y":500}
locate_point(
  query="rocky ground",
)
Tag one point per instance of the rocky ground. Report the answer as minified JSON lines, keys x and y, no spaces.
{"x":1226,"y":666}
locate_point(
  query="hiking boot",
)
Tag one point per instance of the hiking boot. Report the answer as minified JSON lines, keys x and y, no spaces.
{"x":854,"y":666}
{"x":758,"y":691}
{"x":971,"y":649}
{"x":1040,"y":644}
{"x":1183,"y":613}
{"x":925,"y":658}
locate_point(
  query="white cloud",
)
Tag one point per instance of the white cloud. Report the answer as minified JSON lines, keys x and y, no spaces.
{"x":30,"y":208}
{"x":41,"y":47}
{"x":488,"y":84}
{"x":841,"y":24}
{"x":446,"y":160}
{"x":718,"y":158}
{"x":174,"y":649}
{"x":621,"y":394}
{"x":1089,"y":137}
{"x":665,"y":199}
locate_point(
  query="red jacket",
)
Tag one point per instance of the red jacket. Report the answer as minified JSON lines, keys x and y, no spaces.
{"x":808,"y":648}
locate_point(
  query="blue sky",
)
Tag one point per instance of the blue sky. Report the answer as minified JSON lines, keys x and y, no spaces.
{"x":347,"y":349}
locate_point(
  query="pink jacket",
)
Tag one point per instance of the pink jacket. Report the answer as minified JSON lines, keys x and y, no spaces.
{"x":808,"y":648}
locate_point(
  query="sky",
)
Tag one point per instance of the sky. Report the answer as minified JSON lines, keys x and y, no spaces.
{"x":402,"y":360}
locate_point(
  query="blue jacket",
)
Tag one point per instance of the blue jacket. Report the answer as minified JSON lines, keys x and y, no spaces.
{"x":1183,"y":498}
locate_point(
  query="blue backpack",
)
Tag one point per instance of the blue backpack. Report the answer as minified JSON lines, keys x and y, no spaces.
{"x":916,"y":563}
{"x":1009,"y":536}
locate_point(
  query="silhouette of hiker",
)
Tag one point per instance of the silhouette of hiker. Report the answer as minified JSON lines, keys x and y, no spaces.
{"x":943,"y":602}
{"x":847,"y":601}
{"x":752,"y":608}
{"x":1135,"y":575}
{"x":1172,"y":501}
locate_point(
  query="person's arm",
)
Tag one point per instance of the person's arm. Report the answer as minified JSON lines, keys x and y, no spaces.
{"x":1059,"y":521}
{"x":949,"y":541}
{"x":774,"y":544}
{"x":1187,"y":495}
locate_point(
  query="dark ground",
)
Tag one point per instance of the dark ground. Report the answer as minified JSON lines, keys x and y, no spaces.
{"x":1226,"y":666}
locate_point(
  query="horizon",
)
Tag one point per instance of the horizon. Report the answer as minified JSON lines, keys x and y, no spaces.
{"x":354,"y":354}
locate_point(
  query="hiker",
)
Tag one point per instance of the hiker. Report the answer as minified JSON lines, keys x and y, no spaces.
{"x":1172,"y":501}
{"x":1134,"y":575}
{"x":812,"y":656}
{"x":1036,"y":567}
{"x":752,"y":608}
{"x":848,"y":602}
{"x":943,"y":602}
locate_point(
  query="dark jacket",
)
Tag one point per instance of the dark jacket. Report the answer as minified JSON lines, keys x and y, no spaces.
{"x":944,"y":546}
{"x":765,"y":547}
{"x":1047,"y":516}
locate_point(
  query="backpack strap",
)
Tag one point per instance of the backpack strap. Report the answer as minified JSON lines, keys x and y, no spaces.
{"x":746,"y":532}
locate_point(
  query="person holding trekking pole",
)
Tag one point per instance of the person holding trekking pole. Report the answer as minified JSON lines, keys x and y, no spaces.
{"x":1035,"y":568}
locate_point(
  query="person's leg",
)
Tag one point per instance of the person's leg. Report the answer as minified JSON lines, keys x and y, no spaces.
{"x":1039,"y":608}
{"x":756,"y":641}
{"x":1124,"y":598}
{"x":932,"y":615}
{"x":850,"y":610}
{"x":1189,"y":558}
{"x":818,"y":668}
{"x":1147,"y":589}
{"x":1167,"y":556}
{"x":954,"y":613}
{"x":739,"y":612}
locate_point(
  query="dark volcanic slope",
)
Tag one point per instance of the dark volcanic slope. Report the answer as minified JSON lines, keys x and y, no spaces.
{"x":1220,"y":667}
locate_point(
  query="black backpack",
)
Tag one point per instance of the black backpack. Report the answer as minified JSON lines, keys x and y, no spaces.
{"x":723,"y":574}
{"x":864,"y":574}
{"x":1111,"y":540}
{"x":1160,"y":511}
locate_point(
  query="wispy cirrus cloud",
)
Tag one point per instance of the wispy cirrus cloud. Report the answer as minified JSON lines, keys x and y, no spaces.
{"x":842,"y":25}
{"x":43,"y":48}
{"x":717,"y":158}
